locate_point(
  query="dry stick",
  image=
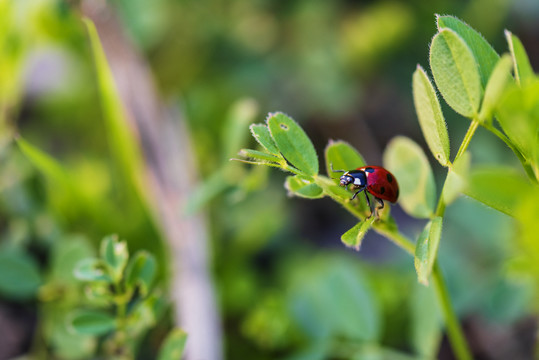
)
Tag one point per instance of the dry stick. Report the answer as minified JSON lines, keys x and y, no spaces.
{"x":170,"y":170}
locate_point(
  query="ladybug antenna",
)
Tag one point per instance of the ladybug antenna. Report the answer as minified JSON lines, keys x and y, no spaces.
{"x":333,"y":170}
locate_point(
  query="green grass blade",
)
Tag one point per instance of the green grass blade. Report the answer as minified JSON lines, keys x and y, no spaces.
{"x":65,"y":196}
{"x":431,"y":118}
{"x":122,"y":141}
{"x":241,"y":114}
{"x":46,"y":164}
{"x":455,"y":72}
{"x":484,"y":53}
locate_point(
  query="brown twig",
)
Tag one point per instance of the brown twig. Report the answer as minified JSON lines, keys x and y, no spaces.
{"x":170,"y":173}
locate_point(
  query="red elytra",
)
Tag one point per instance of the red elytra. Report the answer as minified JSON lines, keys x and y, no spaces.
{"x":381,"y":183}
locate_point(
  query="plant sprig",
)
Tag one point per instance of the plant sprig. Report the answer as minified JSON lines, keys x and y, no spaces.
{"x":124,"y":304}
{"x":476,"y":83}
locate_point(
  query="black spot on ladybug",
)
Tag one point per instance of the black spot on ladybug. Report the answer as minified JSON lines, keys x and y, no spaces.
{"x":389,"y":178}
{"x":369,"y":170}
{"x":283,"y":126}
{"x":382,"y":190}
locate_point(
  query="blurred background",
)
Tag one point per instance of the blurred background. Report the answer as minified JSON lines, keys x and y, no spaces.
{"x":249,"y":272}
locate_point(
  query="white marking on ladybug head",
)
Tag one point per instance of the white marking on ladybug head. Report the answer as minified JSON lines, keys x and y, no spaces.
{"x":357,"y":181}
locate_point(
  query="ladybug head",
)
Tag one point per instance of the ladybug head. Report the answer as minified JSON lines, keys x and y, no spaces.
{"x":346,"y":179}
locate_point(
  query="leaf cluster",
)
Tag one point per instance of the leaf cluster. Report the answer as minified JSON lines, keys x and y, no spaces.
{"x":499,"y":93}
{"x":122,"y":304}
{"x":476,"y":83}
{"x":285,"y":145}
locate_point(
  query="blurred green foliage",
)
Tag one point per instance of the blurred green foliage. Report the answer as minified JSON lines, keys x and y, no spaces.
{"x":123,"y":303}
{"x":287,"y":287}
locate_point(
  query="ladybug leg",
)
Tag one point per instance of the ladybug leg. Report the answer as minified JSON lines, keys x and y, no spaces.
{"x":381,"y":202}
{"x":358,"y":192}
{"x":369,"y":203}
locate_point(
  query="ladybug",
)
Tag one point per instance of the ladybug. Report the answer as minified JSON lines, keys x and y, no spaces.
{"x":378,"y":182}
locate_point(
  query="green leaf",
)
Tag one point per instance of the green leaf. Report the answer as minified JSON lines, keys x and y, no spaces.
{"x":353,"y":237}
{"x":331,"y":296}
{"x":523,"y":69}
{"x":455,"y":72}
{"x":145,"y":314}
{"x":485,"y":56}
{"x":499,"y":187}
{"x":172,"y":348}
{"x":431,"y":118}
{"x":407,"y":161}
{"x":457,"y":178}
{"x":315,"y":350}
{"x":115,"y":255}
{"x":268,"y":322}
{"x":59,"y":335}
{"x":67,"y":253}
{"x":495,"y":88}
{"x":426,"y":321}
{"x":92,"y":322}
{"x":19,"y":275}
{"x":259,"y":155}
{"x":141,"y":271}
{"x":303,"y":187}
{"x":242,"y":113}
{"x":427,"y":248}
{"x":378,"y":352}
{"x":293,"y":143}
{"x":518,"y":114}
{"x":342,"y":156}
{"x":92,"y":269}
{"x":122,"y":141}
{"x":525,"y":261}
{"x":263,"y":137}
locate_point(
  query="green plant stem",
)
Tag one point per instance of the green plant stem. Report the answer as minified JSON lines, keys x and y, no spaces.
{"x":120,"y":338}
{"x":467,"y":138}
{"x":399,"y":239}
{"x":454,"y":330}
{"x":440,"y":209}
